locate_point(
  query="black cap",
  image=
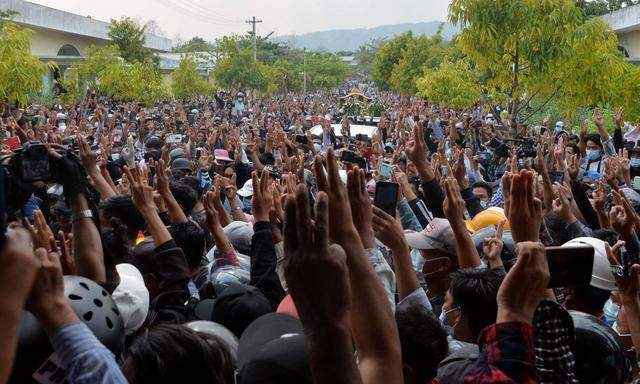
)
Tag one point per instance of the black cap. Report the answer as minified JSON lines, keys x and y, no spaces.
{"x":238,"y":306}
{"x":273,"y":350}
{"x":153,"y":143}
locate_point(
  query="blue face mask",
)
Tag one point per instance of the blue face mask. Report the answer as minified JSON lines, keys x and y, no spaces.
{"x":246,"y":205}
{"x":635,"y":162}
{"x":611,"y":312}
{"x":593,"y":154}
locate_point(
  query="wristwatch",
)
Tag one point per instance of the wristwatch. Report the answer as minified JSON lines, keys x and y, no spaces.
{"x":81,"y":215}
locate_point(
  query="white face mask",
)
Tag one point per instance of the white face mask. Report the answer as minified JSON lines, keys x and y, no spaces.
{"x":443,"y":315}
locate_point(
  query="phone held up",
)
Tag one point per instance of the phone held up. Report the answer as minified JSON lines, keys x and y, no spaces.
{"x":386,"y":196}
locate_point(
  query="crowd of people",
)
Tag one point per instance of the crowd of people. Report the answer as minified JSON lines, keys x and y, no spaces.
{"x":252,"y":239}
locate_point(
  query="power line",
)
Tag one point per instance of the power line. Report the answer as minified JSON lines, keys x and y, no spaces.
{"x":191,"y":13}
{"x":213,"y":13}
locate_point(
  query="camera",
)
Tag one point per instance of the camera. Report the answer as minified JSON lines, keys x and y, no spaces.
{"x":31,"y":163}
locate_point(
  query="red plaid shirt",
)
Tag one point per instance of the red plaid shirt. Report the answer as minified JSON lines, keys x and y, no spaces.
{"x":507,"y":355}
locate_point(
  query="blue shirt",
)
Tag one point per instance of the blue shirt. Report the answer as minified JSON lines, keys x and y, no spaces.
{"x":85,"y":358}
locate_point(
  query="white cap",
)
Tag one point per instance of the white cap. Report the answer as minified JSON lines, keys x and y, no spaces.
{"x":239,"y":234}
{"x":437,"y":235}
{"x":601,"y":276}
{"x":247,"y":189}
{"x":131,"y":297}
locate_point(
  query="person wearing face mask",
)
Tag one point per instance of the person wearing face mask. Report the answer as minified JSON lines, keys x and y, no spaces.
{"x":469,"y":306}
{"x":634,"y":160}
{"x":483,"y":192}
{"x":597,"y":147}
{"x":595,"y":155}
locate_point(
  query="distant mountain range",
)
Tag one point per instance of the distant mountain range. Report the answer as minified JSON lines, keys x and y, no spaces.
{"x":351,"y":39}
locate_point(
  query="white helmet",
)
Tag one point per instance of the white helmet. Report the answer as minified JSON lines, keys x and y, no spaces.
{"x":601,"y":276}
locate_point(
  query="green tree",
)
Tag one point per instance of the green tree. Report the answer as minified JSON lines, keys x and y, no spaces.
{"x":387,"y":56}
{"x":325,"y":71}
{"x":186,"y":80}
{"x":529,"y":50}
{"x":129,"y":37}
{"x":419,"y":52}
{"x":196,"y":44}
{"x":139,"y":81}
{"x":287,"y":76}
{"x":601,"y":7}
{"x":70,"y":87}
{"x":20,"y":72}
{"x":365,"y":57}
{"x":97,"y":61}
{"x":453,"y":83}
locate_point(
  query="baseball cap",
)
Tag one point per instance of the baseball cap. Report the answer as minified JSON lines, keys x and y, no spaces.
{"x":238,"y":306}
{"x":176,"y":153}
{"x":288,"y":307}
{"x":222,"y":155}
{"x":239,"y":234}
{"x":437,"y":235}
{"x":273,"y":350}
{"x":247,"y":189}
{"x":153,"y":143}
{"x":180,"y":164}
{"x":131,"y":297}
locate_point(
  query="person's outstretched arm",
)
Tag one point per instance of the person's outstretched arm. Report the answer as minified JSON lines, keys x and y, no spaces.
{"x":85,"y":359}
{"x":324,"y":305}
{"x":374,"y":328}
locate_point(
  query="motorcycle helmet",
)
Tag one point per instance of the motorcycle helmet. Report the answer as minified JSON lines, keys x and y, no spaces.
{"x":93,"y":306}
{"x":601,"y":276}
{"x":598,"y":351}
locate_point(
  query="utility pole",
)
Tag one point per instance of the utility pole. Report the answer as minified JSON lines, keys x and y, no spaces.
{"x":304,"y":71}
{"x":253,"y":21}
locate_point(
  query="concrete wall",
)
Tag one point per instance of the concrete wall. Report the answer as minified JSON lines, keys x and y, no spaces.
{"x":41,"y":17}
{"x":46,"y":43}
{"x":631,"y":42}
{"x":624,"y":20}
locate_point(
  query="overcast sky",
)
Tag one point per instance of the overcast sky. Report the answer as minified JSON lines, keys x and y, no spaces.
{"x":214,"y":18}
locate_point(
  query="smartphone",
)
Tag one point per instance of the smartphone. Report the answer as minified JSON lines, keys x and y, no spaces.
{"x":173,"y":139}
{"x":569,"y":266}
{"x":302,"y":139}
{"x":628,"y":259}
{"x":386,"y":196}
{"x":557,"y":177}
{"x":348,"y":156}
{"x":263,"y":133}
{"x":198,"y":153}
{"x":386,"y":170}
{"x":636,"y":183}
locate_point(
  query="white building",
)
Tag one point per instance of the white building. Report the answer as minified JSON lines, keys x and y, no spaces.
{"x":625,"y":23}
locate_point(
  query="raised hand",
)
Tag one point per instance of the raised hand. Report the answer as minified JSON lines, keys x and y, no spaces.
{"x":523,"y":287}
{"x":308,"y":261}
{"x":597,"y":118}
{"x":454,"y":205}
{"x":141,"y":192}
{"x":492,"y":247}
{"x":262,"y":199}
{"x":41,"y":234}
{"x":360,"y":206}
{"x":525,"y":211}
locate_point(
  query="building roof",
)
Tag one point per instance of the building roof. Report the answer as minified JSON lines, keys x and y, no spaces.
{"x":171,"y":61}
{"x":40,"y":16}
{"x":624,"y":20}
